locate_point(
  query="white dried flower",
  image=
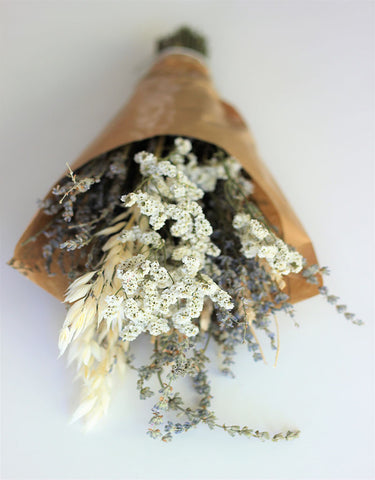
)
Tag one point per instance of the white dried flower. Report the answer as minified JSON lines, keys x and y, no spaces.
{"x":257,"y":240}
{"x":258,"y":229}
{"x":269,"y":252}
{"x":166,"y":169}
{"x":191,"y":265}
{"x":189,"y":329}
{"x":147,"y":161}
{"x":183,"y":146}
{"x":241,"y":220}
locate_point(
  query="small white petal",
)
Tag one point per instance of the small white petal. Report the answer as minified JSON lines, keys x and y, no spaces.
{"x":83,"y":409}
{"x":79,"y":323}
{"x":82,"y":280}
{"x":65,"y":338}
{"x":77,"y":293}
{"x":73,"y":311}
{"x":86,"y":355}
{"x":113,"y":229}
{"x":111,"y":242}
{"x":96,"y":351}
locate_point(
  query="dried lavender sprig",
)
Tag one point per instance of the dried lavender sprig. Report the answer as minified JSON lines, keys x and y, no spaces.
{"x":171,"y":351}
{"x":84,"y":202}
{"x":311,"y":274}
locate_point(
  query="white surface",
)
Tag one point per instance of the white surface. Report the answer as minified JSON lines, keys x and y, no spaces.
{"x":302,"y":75}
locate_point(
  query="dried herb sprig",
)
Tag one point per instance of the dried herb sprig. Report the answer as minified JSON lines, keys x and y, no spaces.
{"x":183,"y":357}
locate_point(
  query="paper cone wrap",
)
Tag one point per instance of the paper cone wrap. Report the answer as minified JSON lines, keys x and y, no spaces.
{"x":177,"y":97}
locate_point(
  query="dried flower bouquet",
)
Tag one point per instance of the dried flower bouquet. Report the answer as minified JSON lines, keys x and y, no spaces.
{"x":167,"y":235}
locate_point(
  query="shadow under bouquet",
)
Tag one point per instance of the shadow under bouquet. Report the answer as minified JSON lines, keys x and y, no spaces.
{"x":169,"y":225}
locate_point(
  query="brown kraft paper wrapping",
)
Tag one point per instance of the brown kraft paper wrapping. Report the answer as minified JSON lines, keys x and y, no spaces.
{"x":177,"y":97}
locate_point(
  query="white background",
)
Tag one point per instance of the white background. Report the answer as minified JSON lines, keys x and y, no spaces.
{"x":302,"y":75}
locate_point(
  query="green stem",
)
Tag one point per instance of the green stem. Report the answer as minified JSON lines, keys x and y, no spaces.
{"x":36,"y":235}
{"x":207,"y":342}
{"x":160,"y":379}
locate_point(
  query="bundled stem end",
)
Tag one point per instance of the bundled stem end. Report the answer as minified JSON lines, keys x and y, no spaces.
{"x":184,"y":37}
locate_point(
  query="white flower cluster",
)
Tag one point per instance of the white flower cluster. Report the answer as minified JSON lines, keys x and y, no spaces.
{"x":257,"y":240}
{"x":150,"y":238}
{"x":173,"y":198}
{"x":149,"y":165}
{"x":205,"y":176}
{"x":153,"y":297}
{"x":153,"y":300}
{"x":183,"y":145}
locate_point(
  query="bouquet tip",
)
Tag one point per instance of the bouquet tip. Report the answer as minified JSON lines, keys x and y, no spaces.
{"x":184,"y":37}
